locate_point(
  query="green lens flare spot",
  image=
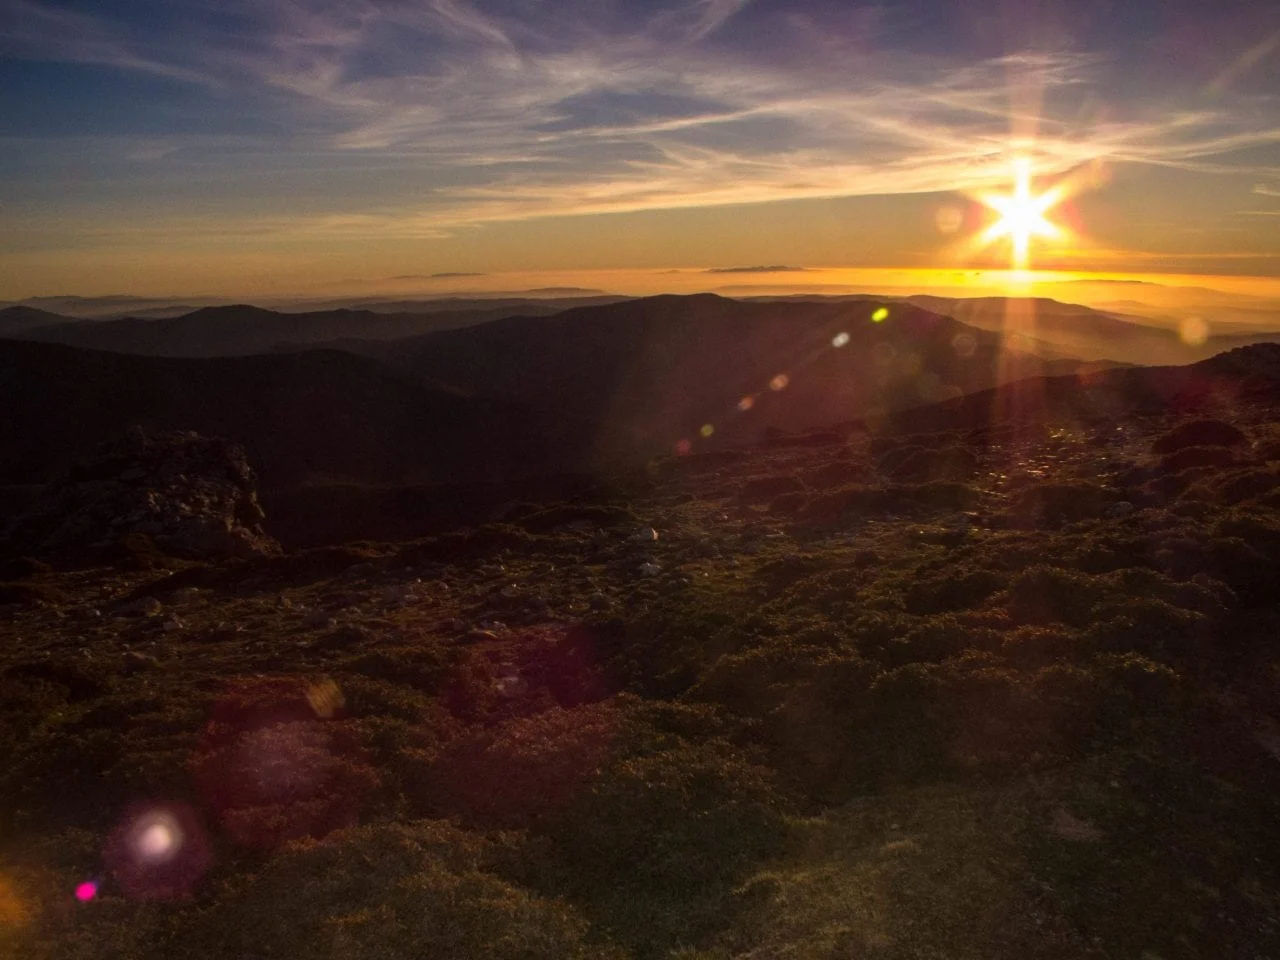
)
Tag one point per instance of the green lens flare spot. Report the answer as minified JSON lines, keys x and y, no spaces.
{"x":707,"y":430}
{"x":880,"y":316}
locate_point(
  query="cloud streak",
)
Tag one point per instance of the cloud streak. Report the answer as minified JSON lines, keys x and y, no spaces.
{"x":515,"y":111}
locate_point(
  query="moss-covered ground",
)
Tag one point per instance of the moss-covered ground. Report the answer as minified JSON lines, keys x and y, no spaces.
{"x":1010,"y":693}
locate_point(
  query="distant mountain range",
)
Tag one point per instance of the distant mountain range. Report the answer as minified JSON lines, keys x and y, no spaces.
{"x":240,"y":329}
{"x":1055,"y":330}
{"x":357,"y":396}
{"x":120,"y":306}
{"x":647,"y":373}
{"x":525,"y":394}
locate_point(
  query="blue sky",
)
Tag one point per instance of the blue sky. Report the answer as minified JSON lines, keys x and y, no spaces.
{"x":306,"y":136}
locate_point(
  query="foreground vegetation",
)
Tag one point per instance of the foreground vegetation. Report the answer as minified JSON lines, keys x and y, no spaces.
{"x":1005,"y":692}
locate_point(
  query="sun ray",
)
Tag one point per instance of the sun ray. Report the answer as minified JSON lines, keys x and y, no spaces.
{"x":1022,"y":214}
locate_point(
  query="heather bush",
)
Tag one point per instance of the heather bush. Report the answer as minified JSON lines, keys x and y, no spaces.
{"x":1189,"y":457}
{"x":1199,"y":433}
{"x":1044,"y":594}
{"x":1054,"y":504}
{"x":764,"y":489}
{"x":417,"y":890}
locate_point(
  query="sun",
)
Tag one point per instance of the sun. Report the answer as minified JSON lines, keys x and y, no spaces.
{"x":1022,"y":216}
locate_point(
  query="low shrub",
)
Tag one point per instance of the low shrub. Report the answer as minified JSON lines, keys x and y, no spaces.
{"x":961,"y":589}
{"x":1197,"y":457}
{"x":388,"y":892}
{"x":764,"y":489}
{"x":1055,"y":504}
{"x":1199,"y":433}
{"x":1044,"y":594}
{"x":838,"y":473}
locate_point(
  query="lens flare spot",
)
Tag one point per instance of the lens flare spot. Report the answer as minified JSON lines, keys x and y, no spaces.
{"x":779,"y":382}
{"x":948,"y":218}
{"x":881,"y":315}
{"x":746,"y":403}
{"x":157,"y":838}
{"x":965,"y":344}
{"x":13,"y":912}
{"x":1193,"y":331}
{"x":707,"y":429}
{"x":158,"y":853}
{"x":325,"y":698}
{"x":86,"y":891}
{"x":840,"y":340}
{"x":683,"y":447}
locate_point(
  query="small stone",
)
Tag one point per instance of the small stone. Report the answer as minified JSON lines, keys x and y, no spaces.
{"x":318,"y":619}
{"x":172,"y":625}
{"x":1123,"y":508}
{"x":143,"y":607}
{"x":511,"y":685}
{"x":135,"y":662}
{"x":479,"y":636}
{"x":644,"y":535}
{"x":650,"y":569}
{"x":598,"y":601}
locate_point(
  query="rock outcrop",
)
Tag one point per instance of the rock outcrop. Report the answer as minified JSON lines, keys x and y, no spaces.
{"x":194,"y":496}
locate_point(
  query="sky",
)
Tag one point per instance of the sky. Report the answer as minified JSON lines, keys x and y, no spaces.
{"x":256,"y":147}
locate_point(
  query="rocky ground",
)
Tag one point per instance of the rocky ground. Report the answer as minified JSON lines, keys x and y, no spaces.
{"x":1005,"y":692}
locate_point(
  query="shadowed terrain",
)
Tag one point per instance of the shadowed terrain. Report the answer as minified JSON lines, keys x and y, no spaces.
{"x":990,"y":678}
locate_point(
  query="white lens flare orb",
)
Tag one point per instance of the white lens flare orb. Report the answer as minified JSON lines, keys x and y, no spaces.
{"x":157,"y":838}
{"x":840,"y":340}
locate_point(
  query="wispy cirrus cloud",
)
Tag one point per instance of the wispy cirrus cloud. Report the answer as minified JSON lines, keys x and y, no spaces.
{"x":476,"y":112}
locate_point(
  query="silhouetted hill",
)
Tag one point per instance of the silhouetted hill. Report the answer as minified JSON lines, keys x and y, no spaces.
{"x":651,"y":371}
{"x":508,"y":306}
{"x":19,"y":319}
{"x":319,"y":415}
{"x":1112,"y":397}
{"x":1088,"y":333}
{"x":241,"y":329}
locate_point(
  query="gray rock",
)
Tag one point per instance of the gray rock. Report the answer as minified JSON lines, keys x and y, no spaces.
{"x":142,"y":607}
{"x":193,"y":495}
{"x":136,"y":662}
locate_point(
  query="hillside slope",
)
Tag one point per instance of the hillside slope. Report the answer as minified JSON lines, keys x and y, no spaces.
{"x":320,"y":414}
{"x":241,"y":329}
{"x":652,"y":371}
{"x":994,"y":695}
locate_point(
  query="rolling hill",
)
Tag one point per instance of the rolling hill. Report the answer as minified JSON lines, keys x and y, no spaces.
{"x":309,"y":417}
{"x":17,"y":320}
{"x":241,"y":330}
{"x":648,"y":372}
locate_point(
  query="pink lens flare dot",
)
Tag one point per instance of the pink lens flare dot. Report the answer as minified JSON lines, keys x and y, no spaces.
{"x":86,"y":891}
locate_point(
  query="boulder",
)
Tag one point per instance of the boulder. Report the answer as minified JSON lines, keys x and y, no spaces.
{"x":193,"y":496}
